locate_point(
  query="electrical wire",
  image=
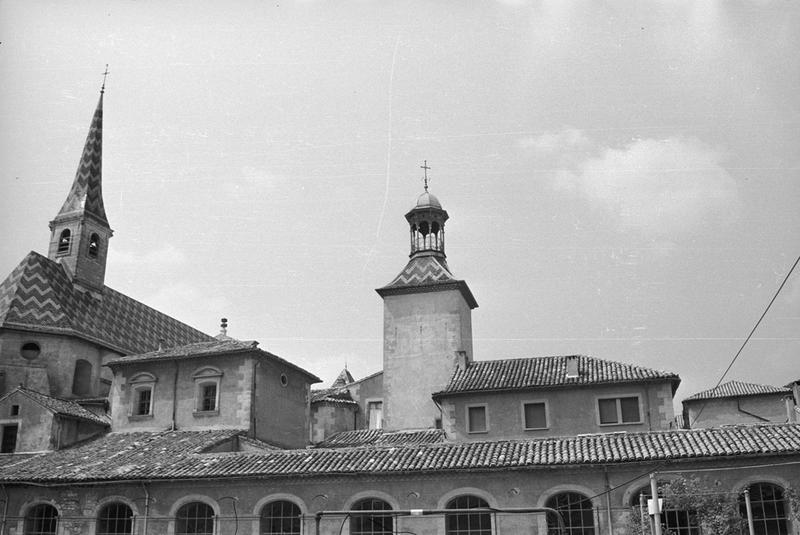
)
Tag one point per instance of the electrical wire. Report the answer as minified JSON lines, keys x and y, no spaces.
{"x":733,"y":360}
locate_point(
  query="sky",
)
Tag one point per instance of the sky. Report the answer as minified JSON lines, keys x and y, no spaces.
{"x":622,"y":178}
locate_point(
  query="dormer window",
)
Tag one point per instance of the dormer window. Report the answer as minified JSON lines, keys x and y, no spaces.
{"x":64,"y":241}
{"x":94,"y":245}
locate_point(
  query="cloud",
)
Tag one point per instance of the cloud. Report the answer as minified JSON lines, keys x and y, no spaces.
{"x":554,"y":141}
{"x":163,"y":260}
{"x":657,"y":186}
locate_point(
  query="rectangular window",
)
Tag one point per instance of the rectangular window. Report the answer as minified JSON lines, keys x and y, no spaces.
{"x":209,"y":399}
{"x":619,"y":410}
{"x":14,"y":410}
{"x":375,"y":414}
{"x":477,"y":421}
{"x":535,"y":415}
{"x":144,"y":397}
{"x":9,"y":442}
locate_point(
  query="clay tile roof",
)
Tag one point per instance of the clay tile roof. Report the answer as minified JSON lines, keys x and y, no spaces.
{"x":514,"y":374}
{"x":63,"y":407}
{"x":344,"y":378}
{"x":332,"y":395}
{"x":39,"y":296}
{"x":379,"y":437}
{"x":178,"y":454}
{"x":735,"y":389}
{"x":213,"y":346}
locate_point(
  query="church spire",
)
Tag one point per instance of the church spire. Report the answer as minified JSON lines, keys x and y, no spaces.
{"x":80,"y":231}
{"x":86,"y":194}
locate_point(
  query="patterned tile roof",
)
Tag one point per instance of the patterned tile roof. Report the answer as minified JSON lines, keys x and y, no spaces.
{"x":177,"y":454}
{"x":427,"y":273}
{"x":735,"y":389}
{"x":514,"y":374}
{"x":344,"y":378}
{"x":213,"y":346}
{"x":379,"y":437}
{"x":39,"y":296}
{"x":61,"y":406}
{"x":86,"y":194}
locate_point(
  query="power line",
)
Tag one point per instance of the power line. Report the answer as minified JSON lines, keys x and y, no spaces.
{"x":736,"y":356}
{"x":733,"y":360}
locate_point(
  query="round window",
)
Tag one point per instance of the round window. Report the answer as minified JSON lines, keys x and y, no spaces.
{"x":284,"y":380}
{"x":30,"y":350}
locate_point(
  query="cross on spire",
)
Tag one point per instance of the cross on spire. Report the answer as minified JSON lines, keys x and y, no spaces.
{"x":425,"y":167}
{"x":103,"y":89}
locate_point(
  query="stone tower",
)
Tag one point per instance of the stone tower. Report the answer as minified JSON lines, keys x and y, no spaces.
{"x":80,"y":231}
{"x":427,"y":323}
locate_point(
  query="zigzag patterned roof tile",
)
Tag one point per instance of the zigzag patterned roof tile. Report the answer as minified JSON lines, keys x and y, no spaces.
{"x":179,"y":454}
{"x":86,"y":194}
{"x":733,"y":389}
{"x":427,"y":273}
{"x":514,"y":374}
{"x":39,"y":296}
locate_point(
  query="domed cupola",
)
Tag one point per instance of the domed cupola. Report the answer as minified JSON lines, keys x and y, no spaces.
{"x":427,"y":220}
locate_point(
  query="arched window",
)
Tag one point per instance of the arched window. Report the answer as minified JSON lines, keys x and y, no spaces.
{"x":371,"y":524}
{"x":82,"y":378}
{"x":577,"y":512}
{"x":115,"y":519}
{"x":64,"y":241}
{"x":280,"y":518}
{"x":677,"y":521}
{"x":769,"y":509}
{"x":194,"y":518}
{"x":41,"y":519}
{"x":94,"y":245}
{"x":468,"y":523}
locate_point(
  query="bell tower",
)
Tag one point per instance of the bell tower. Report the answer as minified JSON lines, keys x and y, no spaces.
{"x":427,"y":322}
{"x":80,"y":231}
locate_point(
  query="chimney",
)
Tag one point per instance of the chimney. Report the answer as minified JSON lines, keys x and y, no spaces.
{"x":572,"y":367}
{"x":461,"y":360}
{"x":790,"y":412}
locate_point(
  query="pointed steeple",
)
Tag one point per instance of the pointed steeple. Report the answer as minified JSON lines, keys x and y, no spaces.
{"x":80,"y":231}
{"x":86,"y":194}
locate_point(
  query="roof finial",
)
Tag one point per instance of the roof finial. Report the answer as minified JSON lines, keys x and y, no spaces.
{"x":425,"y":167}
{"x":103,"y":89}
{"x":223,"y":327}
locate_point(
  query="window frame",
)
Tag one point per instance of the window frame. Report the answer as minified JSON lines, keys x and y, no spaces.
{"x":205,"y":376}
{"x":116,"y":520}
{"x":10,"y":423}
{"x":618,"y":406}
{"x":262,"y":518}
{"x":357,"y":519}
{"x":176,"y":518}
{"x":468,"y":421}
{"x":367,"y":403}
{"x":544,"y":402}
{"x":140,"y":382}
{"x":27,"y":519}
{"x":569,"y":513}
{"x":460,"y":519}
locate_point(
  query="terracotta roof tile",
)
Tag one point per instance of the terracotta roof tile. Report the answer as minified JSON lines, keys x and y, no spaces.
{"x":427,"y":273}
{"x":39,"y":296}
{"x":379,"y":437}
{"x":332,"y":395}
{"x":176,"y":454}
{"x":213,"y":346}
{"x":513,"y":374}
{"x":735,"y":389}
{"x":62,"y":406}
